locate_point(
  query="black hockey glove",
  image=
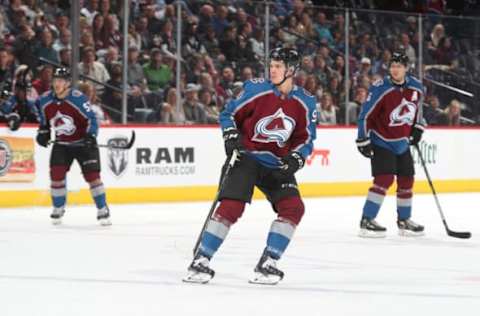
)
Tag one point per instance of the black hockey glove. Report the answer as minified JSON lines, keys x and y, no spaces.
{"x":43,"y":136}
{"x":13,"y":121}
{"x":90,"y":141}
{"x":365,"y":147}
{"x":233,"y":141}
{"x":290,"y":164}
{"x":416,"y":134}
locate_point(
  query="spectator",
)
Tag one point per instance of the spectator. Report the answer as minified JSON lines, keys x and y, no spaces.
{"x":24,"y":46}
{"x":64,"y":40}
{"x":157,"y":73}
{"x":7,"y":65}
{"x":433,"y":114}
{"x":90,"y":10}
{"x":65,"y":55}
{"x":453,"y":113}
{"x":45,"y":50}
{"x":111,"y":36}
{"x":44,"y":81}
{"x":408,"y":49}
{"x":94,"y":69}
{"x":112,"y":98}
{"x":194,"y":110}
{"x":111,"y":56}
{"x":326,"y":110}
{"x":210,"y":106}
{"x":169,"y":112}
{"x":353,"y":108}
{"x":322,"y":28}
{"x":97,"y":31}
{"x":444,"y":54}
{"x":220,"y":22}
{"x":96,"y":107}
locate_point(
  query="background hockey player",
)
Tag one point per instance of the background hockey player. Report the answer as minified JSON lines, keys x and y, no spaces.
{"x":390,"y":121}
{"x":272,"y":124}
{"x":17,"y":108}
{"x":68,"y":112}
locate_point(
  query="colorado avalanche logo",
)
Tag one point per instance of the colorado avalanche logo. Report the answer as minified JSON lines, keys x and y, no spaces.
{"x":63,"y":124}
{"x":403,"y":114}
{"x":117,"y":158}
{"x":275,"y":128}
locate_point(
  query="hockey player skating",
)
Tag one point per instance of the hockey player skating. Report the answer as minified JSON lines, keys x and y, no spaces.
{"x":390,"y":121}
{"x":68,"y":112}
{"x":272,"y":124}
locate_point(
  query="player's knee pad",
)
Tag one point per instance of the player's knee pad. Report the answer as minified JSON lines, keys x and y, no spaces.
{"x":93,"y":178}
{"x":382,"y":182}
{"x":290,"y":209}
{"x":230,"y":210}
{"x":58,"y":173}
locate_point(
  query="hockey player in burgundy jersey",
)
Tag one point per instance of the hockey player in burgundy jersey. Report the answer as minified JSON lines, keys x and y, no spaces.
{"x":390,"y":121}
{"x":272,"y":124}
{"x":68,"y":112}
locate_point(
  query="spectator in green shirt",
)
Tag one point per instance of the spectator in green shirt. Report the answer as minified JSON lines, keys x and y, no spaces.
{"x":157,"y":73}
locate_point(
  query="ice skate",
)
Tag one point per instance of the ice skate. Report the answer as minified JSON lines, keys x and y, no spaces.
{"x":57,"y":216}
{"x":103,"y":216}
{"x":369,"y":228}
{"x":409,"y":228}
{"x":266,"y":271}
{"x":199,"y":271}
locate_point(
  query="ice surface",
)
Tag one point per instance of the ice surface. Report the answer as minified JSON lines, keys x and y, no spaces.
{"x":135,"y":266}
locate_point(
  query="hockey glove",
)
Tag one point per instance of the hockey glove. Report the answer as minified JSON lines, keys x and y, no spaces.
{"x":13,"y":121}
{"x":90,"y":141}
{"x":233,"y":141}
{"x":290,"y":164}
{"x":416,"y":134}
{"x":365,"y":147}
{"x":43,"y":136}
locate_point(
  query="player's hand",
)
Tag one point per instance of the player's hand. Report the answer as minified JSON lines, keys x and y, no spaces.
{"x":43,"y":136}
{"x":416,"y":134}
{"x":290,"y":164}
{"x":90,"y":141}
{"x":233,"y":141}
{"x":13,"y":121}
{"x":365,"y":147}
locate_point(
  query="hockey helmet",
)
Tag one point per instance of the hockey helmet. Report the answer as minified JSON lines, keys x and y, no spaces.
{"x":400,"y":58}
{"x":289,"y":56}
{"x":62,"y":72}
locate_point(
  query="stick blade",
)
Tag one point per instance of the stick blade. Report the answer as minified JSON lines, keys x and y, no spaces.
{"x":462,"y":235}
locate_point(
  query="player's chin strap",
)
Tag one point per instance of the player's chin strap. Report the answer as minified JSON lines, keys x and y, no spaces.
{"x":285,"y":77}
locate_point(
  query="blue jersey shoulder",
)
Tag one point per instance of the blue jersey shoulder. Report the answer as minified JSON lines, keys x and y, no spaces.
{"x":306,"y":97}
{"x":415,"y":83}
{"x":77,"y":97}
{"x":256,"y":86}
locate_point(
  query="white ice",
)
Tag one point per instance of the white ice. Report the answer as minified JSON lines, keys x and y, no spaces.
{"x":135,"y":267}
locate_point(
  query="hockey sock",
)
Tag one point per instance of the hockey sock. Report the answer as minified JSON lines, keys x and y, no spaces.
{"x":279,"y":237}
{"x":96,"y":189}
{"x":376,"y":195}
{"x":217,"y":228}
{"x":404,"y":197}
{"x":290,"y":212}
{"x":58,"y":189}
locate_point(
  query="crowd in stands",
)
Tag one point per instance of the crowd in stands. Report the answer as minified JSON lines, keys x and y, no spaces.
{"x":223,"y":44}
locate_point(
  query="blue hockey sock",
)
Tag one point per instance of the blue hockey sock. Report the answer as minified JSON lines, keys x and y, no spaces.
{"x":98,"y":195}
{"x":213,"y":237}
{"x":372,"y":204}
{"x":404,"y":208}
{"x":58,"y":192}
{"x":279,"y":237}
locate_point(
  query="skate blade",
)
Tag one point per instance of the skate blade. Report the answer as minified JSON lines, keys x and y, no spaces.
{"x":199,"y":278}
{"x":409,"y":233}
{"x":105,"y":222}
{"x":56,"y":221}
{"x":264,"y":279}
{"x":365,"y":233}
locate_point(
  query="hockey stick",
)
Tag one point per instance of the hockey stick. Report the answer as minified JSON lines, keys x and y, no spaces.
{"x":231,"y":162}
{"x":110,"y":146}
{"x":451,"y":233}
